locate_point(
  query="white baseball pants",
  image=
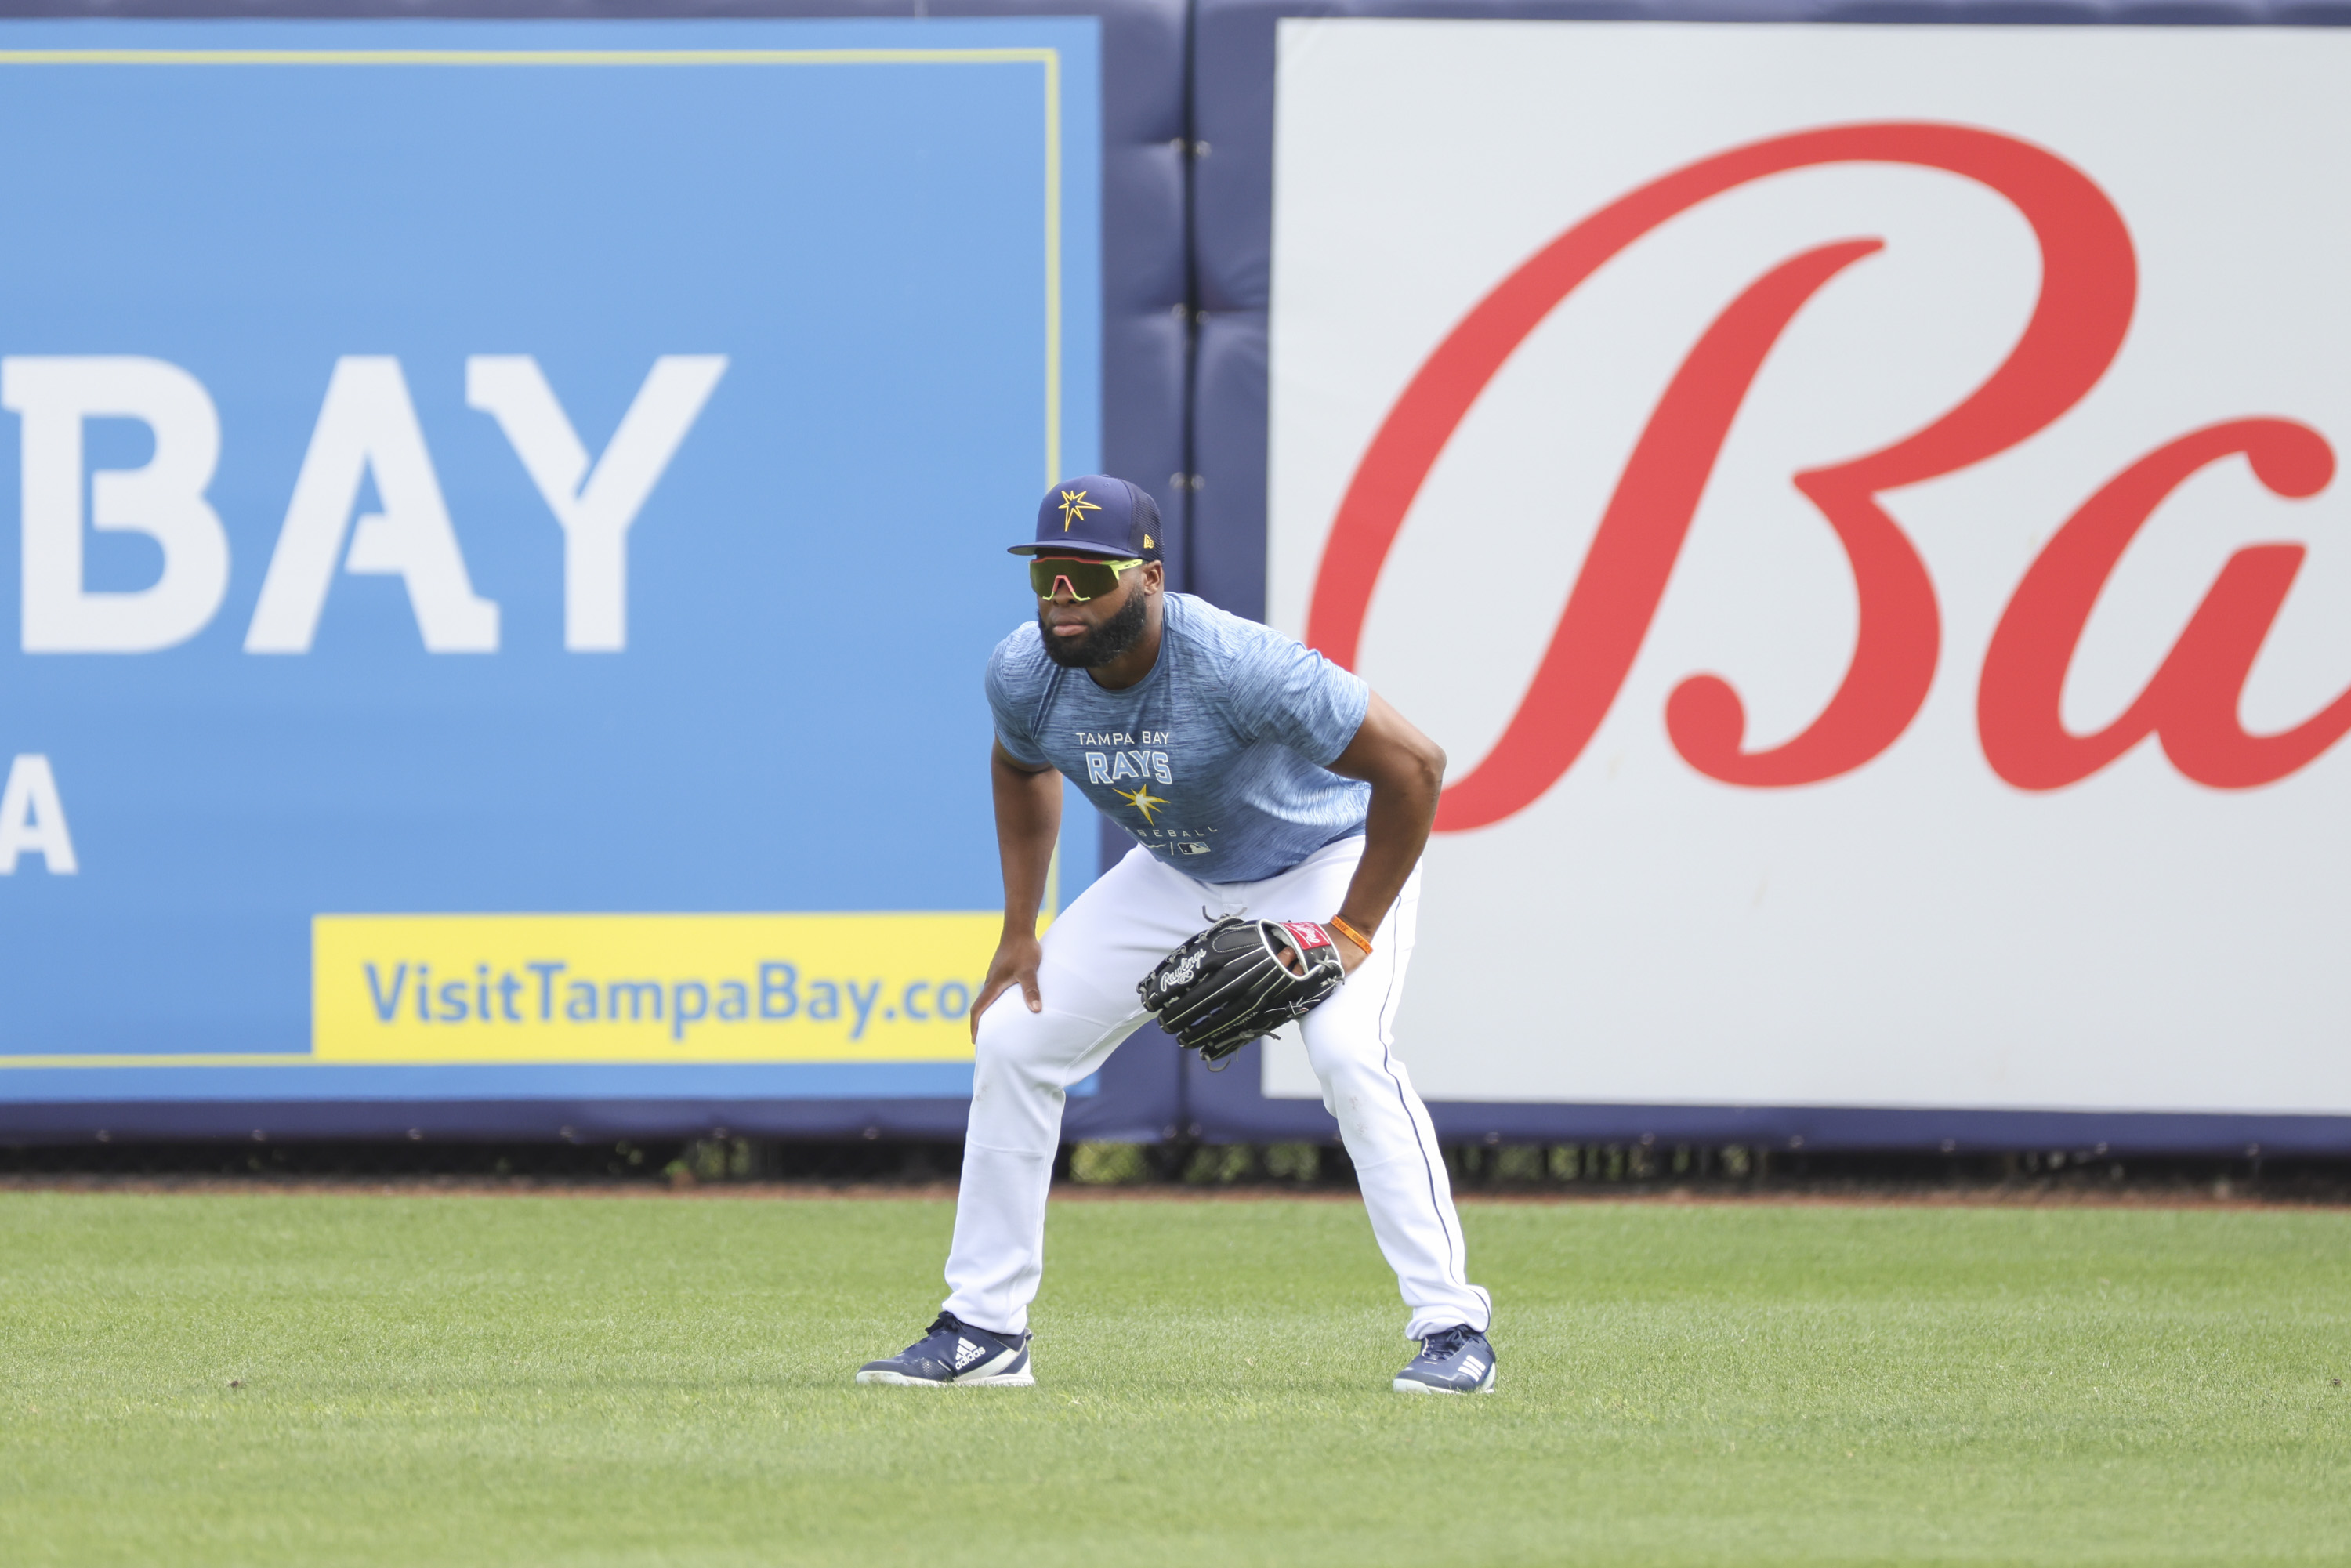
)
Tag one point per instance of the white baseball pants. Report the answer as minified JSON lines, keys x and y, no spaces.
{"x":1104,"y":943}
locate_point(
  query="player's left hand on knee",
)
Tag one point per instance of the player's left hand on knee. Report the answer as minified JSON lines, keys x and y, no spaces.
{"x":1014,"y":964}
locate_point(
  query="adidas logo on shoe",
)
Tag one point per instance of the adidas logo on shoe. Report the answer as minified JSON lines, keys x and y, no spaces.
{"x":954,"y":1354}
{"x":1452,"y":1361}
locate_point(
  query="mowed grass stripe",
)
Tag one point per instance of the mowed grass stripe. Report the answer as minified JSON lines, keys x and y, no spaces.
{"x":526,"y":1380}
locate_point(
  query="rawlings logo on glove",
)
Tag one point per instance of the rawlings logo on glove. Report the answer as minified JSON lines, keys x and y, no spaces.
{"x":1234,"y":982}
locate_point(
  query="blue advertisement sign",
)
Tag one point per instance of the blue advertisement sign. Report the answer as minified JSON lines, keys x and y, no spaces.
{"x":510,"y":523}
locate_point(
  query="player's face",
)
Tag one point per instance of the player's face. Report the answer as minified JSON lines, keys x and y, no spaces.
{"x":1088,"y":635}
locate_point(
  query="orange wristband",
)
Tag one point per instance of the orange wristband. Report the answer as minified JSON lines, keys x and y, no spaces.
{"x":1351,"y":933}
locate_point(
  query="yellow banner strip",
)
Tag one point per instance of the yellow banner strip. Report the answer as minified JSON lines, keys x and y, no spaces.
{"x":646,"y":988}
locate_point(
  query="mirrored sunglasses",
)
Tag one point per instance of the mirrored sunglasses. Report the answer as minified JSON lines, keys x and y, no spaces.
{"x":1085,"y":579}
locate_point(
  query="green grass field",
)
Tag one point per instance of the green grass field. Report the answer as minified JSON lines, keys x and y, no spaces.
{"x":591,"y":1380}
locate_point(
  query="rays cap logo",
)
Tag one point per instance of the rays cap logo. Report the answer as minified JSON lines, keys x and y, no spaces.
{"x":1094,"y":514}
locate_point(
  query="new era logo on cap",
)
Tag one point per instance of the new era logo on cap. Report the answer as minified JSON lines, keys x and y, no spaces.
{"x":1094,"y":514}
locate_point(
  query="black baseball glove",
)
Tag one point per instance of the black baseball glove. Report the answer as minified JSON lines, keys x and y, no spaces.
{"x":1230,"y":984}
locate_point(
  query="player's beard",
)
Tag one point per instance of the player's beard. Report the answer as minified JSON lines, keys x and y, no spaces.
{"x":1105,"y":642}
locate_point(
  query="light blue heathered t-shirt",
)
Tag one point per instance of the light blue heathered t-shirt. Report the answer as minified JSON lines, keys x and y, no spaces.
{"x":1215,"y":759}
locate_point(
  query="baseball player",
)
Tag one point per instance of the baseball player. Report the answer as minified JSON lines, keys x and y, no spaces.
{"x":1270,"y":792}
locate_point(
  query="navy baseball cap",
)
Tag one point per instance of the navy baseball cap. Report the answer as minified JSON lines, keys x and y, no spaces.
{"x":1094,"y":514}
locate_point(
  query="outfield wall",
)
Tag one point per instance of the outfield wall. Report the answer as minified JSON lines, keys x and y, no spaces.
{"x":446,"y":696}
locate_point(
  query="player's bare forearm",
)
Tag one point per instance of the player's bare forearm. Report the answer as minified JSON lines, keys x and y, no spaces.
{"x":1027,"y":823}
{"x":1405,"y":769}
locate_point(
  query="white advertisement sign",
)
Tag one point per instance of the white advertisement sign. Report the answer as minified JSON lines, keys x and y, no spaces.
{"x":1858,"y":506}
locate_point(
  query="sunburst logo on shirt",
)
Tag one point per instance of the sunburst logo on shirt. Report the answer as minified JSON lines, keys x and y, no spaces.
{"x":1074,"y":508}
{"x":1143,"y":801}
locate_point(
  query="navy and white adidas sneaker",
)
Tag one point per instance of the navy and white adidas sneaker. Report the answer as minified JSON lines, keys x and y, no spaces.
{"x":1452,"y":1361}
{"x":956,"y":1354}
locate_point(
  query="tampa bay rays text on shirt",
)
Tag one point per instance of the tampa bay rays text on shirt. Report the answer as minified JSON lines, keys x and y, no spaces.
{"x":1109,"y":768}
{"x":1217,"y":759}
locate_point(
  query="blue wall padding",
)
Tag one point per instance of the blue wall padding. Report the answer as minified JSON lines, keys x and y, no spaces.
{"x":1188,"y":116}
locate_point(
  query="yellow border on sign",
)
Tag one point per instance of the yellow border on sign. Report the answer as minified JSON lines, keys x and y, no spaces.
{"x":1049,"y":58}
